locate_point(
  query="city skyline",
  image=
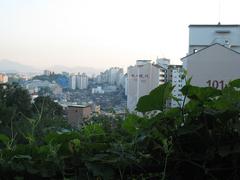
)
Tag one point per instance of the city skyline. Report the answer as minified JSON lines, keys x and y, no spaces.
{"x":103,"y":34}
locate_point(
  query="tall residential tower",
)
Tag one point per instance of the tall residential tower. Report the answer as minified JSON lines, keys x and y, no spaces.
{"x":142,"y":78}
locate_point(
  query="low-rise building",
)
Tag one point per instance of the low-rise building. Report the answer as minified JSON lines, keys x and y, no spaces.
{"x":56,"y":89}
{"x":35,"y":86}
{"x":110,"y":89}
{"x":77,"y":114}
{"x":3,"y":78}
{"x":97,"y":90}
{"x":95,"y":108}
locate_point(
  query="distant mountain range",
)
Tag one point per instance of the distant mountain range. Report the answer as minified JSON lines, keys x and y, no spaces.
{"x":87,"y":70}
{"x":9,"y":66}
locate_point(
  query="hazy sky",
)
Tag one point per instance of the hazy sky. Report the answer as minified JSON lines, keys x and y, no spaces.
{"x":103,"y":33}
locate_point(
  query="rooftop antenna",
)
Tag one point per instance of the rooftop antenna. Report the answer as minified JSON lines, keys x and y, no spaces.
{"x":219,"y":12}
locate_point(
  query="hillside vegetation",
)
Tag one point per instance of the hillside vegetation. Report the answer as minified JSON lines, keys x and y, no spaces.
{"x":200,"y":140}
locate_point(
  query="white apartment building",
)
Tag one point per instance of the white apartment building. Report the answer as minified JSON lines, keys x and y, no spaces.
{"x":122,"y":81}
{"x":163,"y":63}
{"x":142,"y":78}
{"x":126,"y":85}
{"x":201,"y":36}
{"x":115,"y":74}
{"x":72,"y":82}
{"x":111,"y":76}
{"x":47,"y":72}
{"x":81,"y":81}
{"x":213,"y":58}
{"x":174,"y":76}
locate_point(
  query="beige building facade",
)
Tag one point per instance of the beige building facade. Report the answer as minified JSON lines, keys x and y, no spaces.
{"x":142,"y":78}
{"x":77,"y":114}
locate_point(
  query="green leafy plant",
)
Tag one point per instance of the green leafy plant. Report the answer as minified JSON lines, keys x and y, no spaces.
{"x":199,"y":140}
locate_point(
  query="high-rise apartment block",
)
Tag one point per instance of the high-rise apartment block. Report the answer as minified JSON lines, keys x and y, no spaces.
{"x":175,"y":77}
{"x":163,"y":63}
{"x":82,"y":81}
{"x":115,"y":75}
{"x":72,"y":82}
{"x":79,"y":81}
{"x":145,"y":76}
{"x":111,"y":76}
{"x":47,"y":72}
{"x":142,"y":78}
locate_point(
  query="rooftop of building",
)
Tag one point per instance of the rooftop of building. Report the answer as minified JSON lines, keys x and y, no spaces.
{"x":78,"y":106}
{"x":214,"y":25}
{"x":162,"y":59}
{"x":144,"y":60}
{"x":158,"y":66}
{"x":215,"y":44}
{"x":175,"y":66}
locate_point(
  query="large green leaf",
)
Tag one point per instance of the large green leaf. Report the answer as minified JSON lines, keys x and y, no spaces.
{"x":156,"y":100}
{"x":92,"y":130}
{"x":132,"y":124}
{"x":200,"y":93}
{"x":229,"y":100}
{"x":235,"y":83}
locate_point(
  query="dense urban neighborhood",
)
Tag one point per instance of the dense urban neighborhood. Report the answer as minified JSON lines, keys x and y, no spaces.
{"x":157,"y":120}
{"x":207,"y":63}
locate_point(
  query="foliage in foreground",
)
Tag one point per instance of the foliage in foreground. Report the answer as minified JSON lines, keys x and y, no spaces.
{"x":200,"y":140}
